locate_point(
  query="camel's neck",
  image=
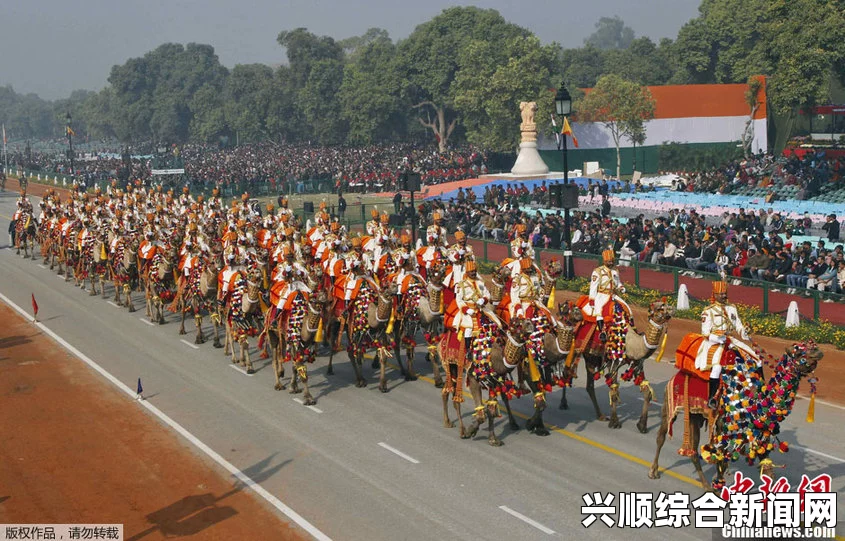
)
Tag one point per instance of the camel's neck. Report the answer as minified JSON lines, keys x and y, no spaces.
{"x":783,"y":386}
{"x":384,"y":307}
{"x":435,"y":295}
{"x":311,"y":323}
{"x":653,"y":334}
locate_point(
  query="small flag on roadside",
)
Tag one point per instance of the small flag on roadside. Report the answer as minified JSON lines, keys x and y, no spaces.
{"x":140,"y":395}
{"x":34,"y":308}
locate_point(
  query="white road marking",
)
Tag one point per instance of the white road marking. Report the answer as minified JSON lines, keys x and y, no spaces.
{"x":652,"y":402}
{"x":42,"y":266}
{"x":211,"y":453}
{"x":241,"y":370}
{"x":399,"y":453}
{"x":190,"y":345}
{"x":148,"y":322}
{"x":312,"y":408}
{"x":817,"y":452}
{"x":529,"y":521}
{"x":113,"y":304}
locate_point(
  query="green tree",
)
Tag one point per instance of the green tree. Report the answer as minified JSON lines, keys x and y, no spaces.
{"x":430,"y":62}
{"x":319,"y":104}
{"x":610,"y":33}
{"x":620,"y":105}
{"x":583,"y":66}
{"x":370,"y":93}
{"x":247,"y":98}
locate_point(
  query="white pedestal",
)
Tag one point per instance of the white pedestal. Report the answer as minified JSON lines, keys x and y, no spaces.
{"x":683,"y":298}
{"x":529,"y":162}
{"x":793,"y":318}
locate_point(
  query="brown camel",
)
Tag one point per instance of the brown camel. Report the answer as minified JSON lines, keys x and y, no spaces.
{"x":799,"y":361}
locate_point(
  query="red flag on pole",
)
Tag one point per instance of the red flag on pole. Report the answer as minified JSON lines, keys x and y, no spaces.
{"x":34,"y":306}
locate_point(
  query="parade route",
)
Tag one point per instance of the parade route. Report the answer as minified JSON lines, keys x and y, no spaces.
{"x":362,"y":464}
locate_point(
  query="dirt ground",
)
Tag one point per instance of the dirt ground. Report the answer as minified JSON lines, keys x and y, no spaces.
{"x":76,"y":450}
{"x":831,"y":370}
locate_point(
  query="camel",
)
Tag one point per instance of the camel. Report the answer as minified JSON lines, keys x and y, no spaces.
{"x":778,"y":394}
{"x":490,"y":374}
{"x":25,"y":234}
{"x":123,"y":266}
{"x":295,"y":342}
{"x":198,"y":292}
{"x":90,"y":261}
{"x":637,"y":348}
{"x":365,"y":326}
{"x":159,"y":283}
{"x":421,"y":309}
{"x":242,"y":309}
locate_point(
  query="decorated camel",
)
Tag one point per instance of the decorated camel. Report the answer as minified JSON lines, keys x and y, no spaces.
{"x":626,"y":349}
{"x":26,"y":231}
{"x":366,"y":326}
{"x":419,"y":307}
{"x":242,"y":314}
{"x":495,"y":353}
{"x":745,"y":415}
{"x":159,"y":282}
{"x":196,"y":293}
{"x":123,"y":268}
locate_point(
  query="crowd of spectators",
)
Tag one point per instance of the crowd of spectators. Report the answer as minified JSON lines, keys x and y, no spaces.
{"x":749,"y":245}
{"x":814,"y":174}
{"x":285,"y":167}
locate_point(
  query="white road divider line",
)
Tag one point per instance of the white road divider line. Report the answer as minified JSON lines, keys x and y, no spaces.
{"x":42,"y":266}
{"x":241,"y":370}
{"x":315,"y":409}
{"x":113,"y":304}
{"x":190,"y":345}
{"x":396,"y":451}
{"x":211,"y":453}
{"x":148,"y":322}
{"x":529,"y":521}
{"x":801,"y":447}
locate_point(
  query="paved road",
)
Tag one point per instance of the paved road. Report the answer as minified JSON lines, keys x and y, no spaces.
{"x":336,"y":465}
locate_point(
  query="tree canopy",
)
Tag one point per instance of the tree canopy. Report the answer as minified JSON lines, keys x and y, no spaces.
{"x":457,"y":78}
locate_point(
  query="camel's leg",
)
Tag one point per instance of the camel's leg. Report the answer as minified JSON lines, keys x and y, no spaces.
{"x":307,"y":399}
{"x":433,"y":357}
{"x":492,"y":412}
{"x":329,"y":369}
{"x":614,"y":403}
{"x":182,"y":311}
{"x":117,"y":300}
{"x":382,"y":381}
{"x":245,"y":354}
{"x":648,"y":396}
{"x":447,"y":423}
{"x":129,"y":304}
{"x":103,"y":285}
{"x":478,"y":415}
{"x":397,"y":336}
{"x":215,"y":319}
{"x":294,"y":381}
{"x":355,"y":360}
{"x":411,"y":375}
{"x":654,"y":472}
{"x":564,"y":405}
{"x":200,"y":339}
{"x":591,"y":390}
{"x":697,"y":421}
{"x":535,"y":423}
{"x":512,"y":424}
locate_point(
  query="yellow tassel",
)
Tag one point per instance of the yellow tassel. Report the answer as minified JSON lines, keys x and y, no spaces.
{"x":662,"y":348}
{"x":570,"y":356}
{"x":460,"y":334}
{"x":264,"y":278}
{"x":811,"y":411}
{"x":533,"y":371}
{"x":441,"y":302}
{"x":391,"y":321}
{"x":318,"y":338}
{"x":551,"y":304}
{"x":102,"y":251}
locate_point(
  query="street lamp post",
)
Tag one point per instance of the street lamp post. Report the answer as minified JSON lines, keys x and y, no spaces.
{"x":69,"y":133}
{"x":563,"y":107}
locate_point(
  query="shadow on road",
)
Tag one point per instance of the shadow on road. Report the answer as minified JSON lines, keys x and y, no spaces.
{"x":13,"y":341}
{"x":193,"y":514}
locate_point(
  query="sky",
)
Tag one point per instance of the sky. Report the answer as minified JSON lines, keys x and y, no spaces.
{"x":52,"y":47}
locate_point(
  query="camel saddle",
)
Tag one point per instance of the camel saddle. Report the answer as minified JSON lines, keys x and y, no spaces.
{"x":586,"y":336}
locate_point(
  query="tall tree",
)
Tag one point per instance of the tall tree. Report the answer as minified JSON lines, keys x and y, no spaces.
{"x":247,"y":98}
{"x":430,"y":62}
{"x":620,"y":105}
{"x":610,"y":33}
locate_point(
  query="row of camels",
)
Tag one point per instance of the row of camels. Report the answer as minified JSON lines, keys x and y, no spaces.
{"x":525,"y":356}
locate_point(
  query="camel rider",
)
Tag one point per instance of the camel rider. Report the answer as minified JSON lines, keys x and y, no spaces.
{"x":720,"y":326}
{"x":520,"y":248}
{"x":374,"y":224}
{"x":525,"y":290}
{"x":405,"y":279}
{"x":290,"y":276}
{"x":471,"y":298}
{"x":432,"y":254}
{"x":356,"y":272}
{"x":225,"y":281}
{"x":458,"y":254}
{"x":604,"y":286}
